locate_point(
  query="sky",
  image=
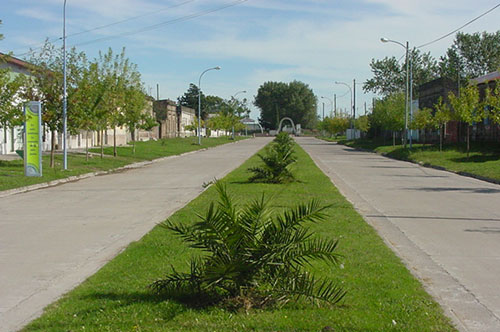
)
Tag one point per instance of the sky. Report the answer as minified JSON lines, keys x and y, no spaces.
{"x":317,"y":42}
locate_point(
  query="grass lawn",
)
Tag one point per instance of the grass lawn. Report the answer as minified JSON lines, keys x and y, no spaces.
{"x":382,"y":294}
{"x":484,"y":159}
{"x":12,"y":172}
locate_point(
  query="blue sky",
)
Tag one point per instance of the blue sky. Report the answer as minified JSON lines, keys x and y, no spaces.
{"x":317,"y":42}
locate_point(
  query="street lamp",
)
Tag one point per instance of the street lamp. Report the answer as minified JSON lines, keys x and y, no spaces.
{"x":234,"y":97}
{"x":350,"y":89}
{"x":65,"y":117}
{"x":199,"y":102}
{"x":331,"y":103}
{"x":407,"y":98}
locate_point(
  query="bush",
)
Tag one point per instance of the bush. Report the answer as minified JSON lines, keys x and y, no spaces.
{"x":252,"y":258}
{"x":277,"y":160}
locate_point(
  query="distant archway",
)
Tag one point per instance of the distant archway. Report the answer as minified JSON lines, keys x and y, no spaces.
{"x":291,"y":121}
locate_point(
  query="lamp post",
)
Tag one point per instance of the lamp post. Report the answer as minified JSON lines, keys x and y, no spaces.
{"x":406,"y":47}
{"x":199,"y":101}
{"x":350,"y":89}
{"x":234,"y":97}
{"x":65,"y":117}
{"x":331,"y":103}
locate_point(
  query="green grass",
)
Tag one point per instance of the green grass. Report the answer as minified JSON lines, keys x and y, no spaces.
{"x":12,"y":172}
{"x":382,"y":294}
{"x":484,"y":159}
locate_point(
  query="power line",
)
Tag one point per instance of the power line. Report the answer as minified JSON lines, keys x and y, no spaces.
{"x":159,"y":25}
{"x":463,"y":26}
{"x":38,"y":46}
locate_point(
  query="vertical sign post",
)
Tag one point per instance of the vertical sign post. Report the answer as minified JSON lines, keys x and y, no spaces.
{"x":33,"y":139}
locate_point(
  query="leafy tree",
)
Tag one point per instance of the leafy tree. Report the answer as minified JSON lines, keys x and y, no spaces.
{"x":389,"y":76}
{"x":442,"y":116}
{"x":471,"y":55}
{"x":276,"y":161}
{"x":362,"y":123}
{"x":389,"y":113}
{"x":46,"y":85}
{"x":492,"y":100}
{"x":252,"y":258}
{"x":468,"y":108}
{"x":11,"y":113}
{"x":423,"y":120}
{"x":134,"y":113}
{"x":1,"y":34}
{"x":335,"y":125}
{"x":277,"y":100}
{"x":190,"y":99}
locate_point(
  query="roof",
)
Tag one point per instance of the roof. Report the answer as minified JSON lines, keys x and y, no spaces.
{"x":493,"y":76}
{"x":13,"y":61}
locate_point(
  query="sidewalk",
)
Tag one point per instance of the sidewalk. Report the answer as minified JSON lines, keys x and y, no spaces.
{"x":53,"y":239}
{"x":445,"y":227}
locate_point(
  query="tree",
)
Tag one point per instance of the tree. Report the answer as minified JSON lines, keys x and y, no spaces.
{"x":277,"y":100}
{"x":471,"y":55}
{"x":423,"y":120}
{"x":335,"y":125}
{"x":441,"y":116}
{"x":492,"y":100}
{"x":11,"y":113}
{"x":46,"y":85}
{"x":389,"y":76}
{"x":251,"y":256}
{"x":1,"y":34}
{"x":362,"y":123}
{"x":190,"y":99}
{"x":389,"y":114}
{"x":468,"y":108}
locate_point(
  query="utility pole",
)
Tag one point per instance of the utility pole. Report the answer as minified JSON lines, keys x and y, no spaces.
{"x":354,"y":101}
{"x":365,"y":107}
{"x":157,"y":91}
{"x":323,"y":111}
{"x":335,"y":104}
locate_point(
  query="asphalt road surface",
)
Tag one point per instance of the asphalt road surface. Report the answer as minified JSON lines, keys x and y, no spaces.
{"x":445,"y":227}
{"x":52,"y":239}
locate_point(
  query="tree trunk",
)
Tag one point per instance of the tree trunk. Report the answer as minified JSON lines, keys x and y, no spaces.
{"x":52,"y":148}
{"x":114,"y":142}
{"x":5,"y":138}
{"x":102,"y":144}
{"x":441,"y":132}
{"x":87,"y":145}
{"x":393,"y":138}
{"x":468,"y":140}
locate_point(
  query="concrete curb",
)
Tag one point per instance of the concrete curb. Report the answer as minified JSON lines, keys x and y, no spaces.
{"x":20,"y":190}
{"x":462,"y":173}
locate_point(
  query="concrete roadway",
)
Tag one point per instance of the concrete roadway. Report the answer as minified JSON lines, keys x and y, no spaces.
{"x":445,"y":227}
{"x":53,"y":239}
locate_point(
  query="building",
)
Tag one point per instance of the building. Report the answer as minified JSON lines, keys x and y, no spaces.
{"x":173,"y":120}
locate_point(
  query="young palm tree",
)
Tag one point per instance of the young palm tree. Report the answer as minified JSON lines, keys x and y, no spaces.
{"x":279,"y":156}
{"x":250,"y":251}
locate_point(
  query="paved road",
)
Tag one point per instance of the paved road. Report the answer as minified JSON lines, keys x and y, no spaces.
{"x":445,"y":227}
{"x":53,"y":239}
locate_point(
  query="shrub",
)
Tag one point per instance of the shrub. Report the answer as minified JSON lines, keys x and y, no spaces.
{"x":251,"y":257}
{"x":277,"y":160}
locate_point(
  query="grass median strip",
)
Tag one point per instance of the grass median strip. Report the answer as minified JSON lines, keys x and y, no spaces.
{"x":484,"y":159}
{"x":12,"y":172}
{"x":381,"y":294}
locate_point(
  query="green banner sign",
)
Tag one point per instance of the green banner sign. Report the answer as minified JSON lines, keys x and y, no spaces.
{"x":33,"y":139}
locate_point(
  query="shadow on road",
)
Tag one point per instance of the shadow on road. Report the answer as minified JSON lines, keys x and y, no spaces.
{"x":457,"y":189}
{"x":432,"y":218}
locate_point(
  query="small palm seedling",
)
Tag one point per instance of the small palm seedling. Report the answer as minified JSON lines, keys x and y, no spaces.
{"x":276,"y":161}
{"x":252,"y":257}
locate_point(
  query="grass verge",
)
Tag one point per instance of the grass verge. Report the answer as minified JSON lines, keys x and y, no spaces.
{"x":484,"y":159}
{"x":382,"y":294}
{"x":12,"y":172}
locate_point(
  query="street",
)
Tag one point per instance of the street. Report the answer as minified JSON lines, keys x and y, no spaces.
{"x":445,"y":227}
{"x":53,"y":239}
